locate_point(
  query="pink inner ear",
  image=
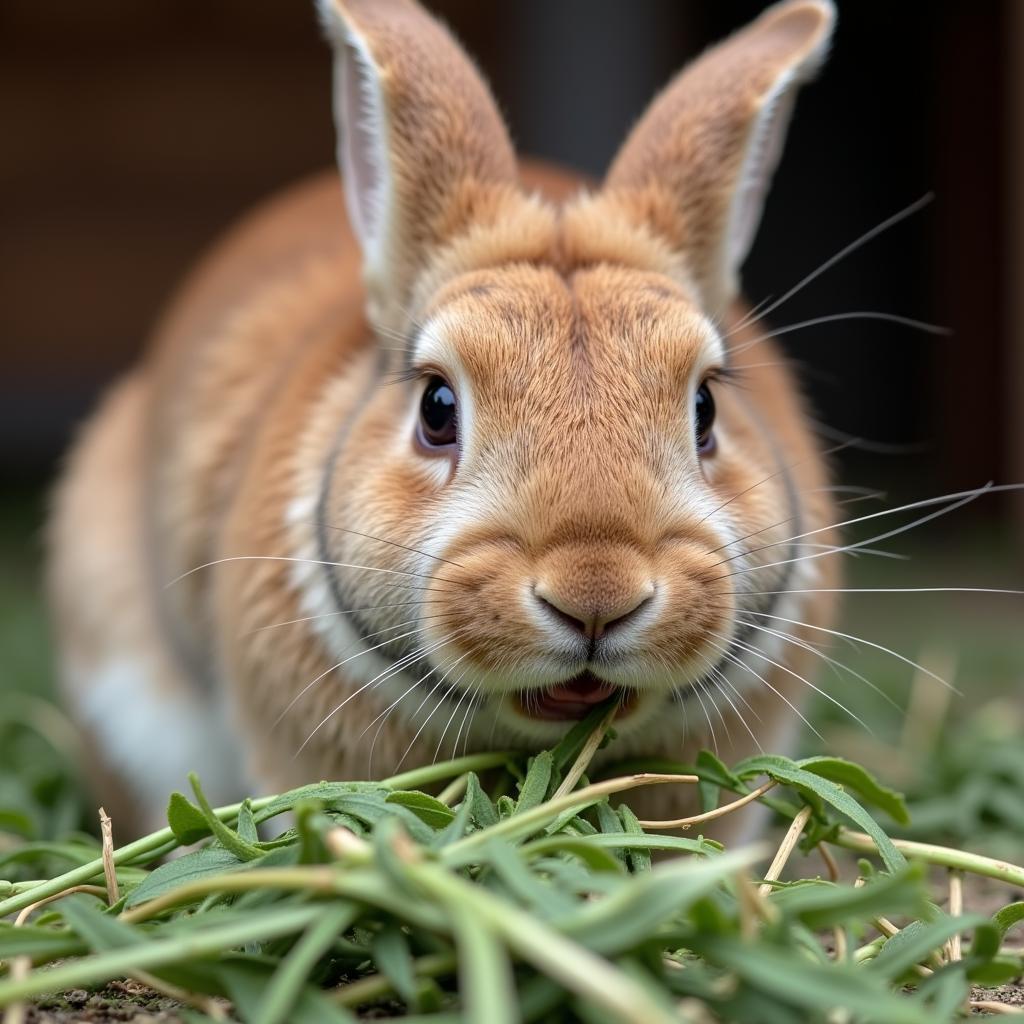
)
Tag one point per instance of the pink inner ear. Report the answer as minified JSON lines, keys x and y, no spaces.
{"x":359,"y":141}
{"x":768,"y":135}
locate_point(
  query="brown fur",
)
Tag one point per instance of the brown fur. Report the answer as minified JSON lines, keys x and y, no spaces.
{"x":575,"y":328}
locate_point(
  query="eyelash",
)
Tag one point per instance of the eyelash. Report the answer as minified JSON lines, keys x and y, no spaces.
{"x":724,"y":375}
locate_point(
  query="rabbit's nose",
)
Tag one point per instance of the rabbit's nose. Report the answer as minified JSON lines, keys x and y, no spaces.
{"x":593,"y":619}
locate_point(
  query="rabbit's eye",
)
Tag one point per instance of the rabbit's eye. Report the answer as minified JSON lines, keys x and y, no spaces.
{"x":704,"y":419}
{"x":438,"y":419}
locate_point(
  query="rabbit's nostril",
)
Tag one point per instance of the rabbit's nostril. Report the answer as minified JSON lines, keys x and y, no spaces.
{"x":592,"y":622}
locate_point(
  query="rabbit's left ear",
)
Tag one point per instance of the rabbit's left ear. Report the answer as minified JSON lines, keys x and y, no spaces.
{"x":421,"y":145}
{"x":696,"y":168}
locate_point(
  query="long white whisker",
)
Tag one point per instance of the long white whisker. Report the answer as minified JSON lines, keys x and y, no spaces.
{"x":444,"y":732}
{"x":393,"y":543}
{"x":312,"y":561}
{"x":778,"y":693}
{"x":422,"y":679}
{"x":860,"y":640}
{"x":385,"y":714}
{"x":920,"y":521}
{"x":339,"y":611}
{"x":419,"y":731}
{"x":856,"y":314}
{"x":721,"y":677}
{"x":889,"y":590}
{"x":462,"y":725}
{"x":387,"y":673}
{"x":988,"y":488}
{"x":772,"y":476}
{"x":796,"y":641}
{"x":758,"y":653}
{"x":853,"y":246}
{"x":345,"y":661}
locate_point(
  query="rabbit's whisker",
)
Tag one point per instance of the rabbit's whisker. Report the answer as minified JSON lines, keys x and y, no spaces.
{"x":312,"y":561}
{"x":771,"y":476}
{"x":832,"y":662}
{"x":852,"y":247}
{"x":384,"y":715}
{"x":859,"y":640}
{"x":437,"y":751}
{"x":440,"y":700}
{"x":863,"y":444}
{"x":955,"y":501}
{"x":739,"y":662}
{"x":391,"y":670}
{"x":856,"y":314}
{"x":758,"y":653}
{"x":345,"y":661}
{"x":393,"y":543}
{"x":339,"y":611}
{"x":474,"y":701}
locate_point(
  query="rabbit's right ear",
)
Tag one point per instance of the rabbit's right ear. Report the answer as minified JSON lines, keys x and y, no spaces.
{"x":421,"y":145}
{"x":696,"y":168}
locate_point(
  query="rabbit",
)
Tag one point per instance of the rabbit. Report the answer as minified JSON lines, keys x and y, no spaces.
{"x":438,"y":460}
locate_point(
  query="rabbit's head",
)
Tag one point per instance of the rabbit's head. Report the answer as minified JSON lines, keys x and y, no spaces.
{"x":551,"y":473}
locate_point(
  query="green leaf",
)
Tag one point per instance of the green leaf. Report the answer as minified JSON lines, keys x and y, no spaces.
{"x":189,"y":868}
{"x":246,"y":824}
{"x":324,"y":792}
{"x":782,"y":769}
{"x":485,"y":974}
{"x":543,"y":898}
{"x":392,"y":958}
{"x":714,"y":776}
{"x":861,"y":781}
{"x":373,"y":808}
{"x":997,"y":971}
{"x":571,"y":744}
{"x":1006,"y":918}
{"x":427,"y":808}
{"x":630,"y":915}
{"x":638,"y":857}
{"x":913,"y":944}
{"x":535,"y":786}
{"x":821,"y":987}
{"x":30,"y":853}
{"x":820,"y":904}
{"x":186,"y":820}
{"x":945,"y":991}
{"x":96,"y":929}
{"x":481,"y":808}
{"x":37,"y":942}
{"x":227,"y":837}
{"x":247,"y":983}
{"x":620,"y":841}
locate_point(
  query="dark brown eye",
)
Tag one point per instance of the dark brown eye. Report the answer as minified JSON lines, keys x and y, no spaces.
{"x":704,"y":419}
{"x":438,"y":416}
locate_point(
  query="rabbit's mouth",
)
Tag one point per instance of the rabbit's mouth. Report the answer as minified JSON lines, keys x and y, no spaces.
{"x":573,"y":699}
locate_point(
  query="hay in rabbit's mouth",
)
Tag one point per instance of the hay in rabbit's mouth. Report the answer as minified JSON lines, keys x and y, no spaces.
{"x":573,"y":699}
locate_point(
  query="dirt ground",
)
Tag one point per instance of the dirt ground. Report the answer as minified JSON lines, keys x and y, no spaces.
{"x":125,"y":1002}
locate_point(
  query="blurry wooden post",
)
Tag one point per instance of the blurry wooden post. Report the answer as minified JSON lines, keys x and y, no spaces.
{"x":1014,"y":265}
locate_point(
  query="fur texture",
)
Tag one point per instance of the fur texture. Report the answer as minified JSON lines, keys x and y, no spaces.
{"x":359,"y":592}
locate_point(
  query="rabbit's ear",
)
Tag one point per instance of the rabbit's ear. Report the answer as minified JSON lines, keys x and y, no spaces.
{"x":697,"y":166}
{"x":420,"y":141}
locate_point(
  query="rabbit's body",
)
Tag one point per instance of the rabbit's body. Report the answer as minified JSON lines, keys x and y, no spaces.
{"x":358,"y":576}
